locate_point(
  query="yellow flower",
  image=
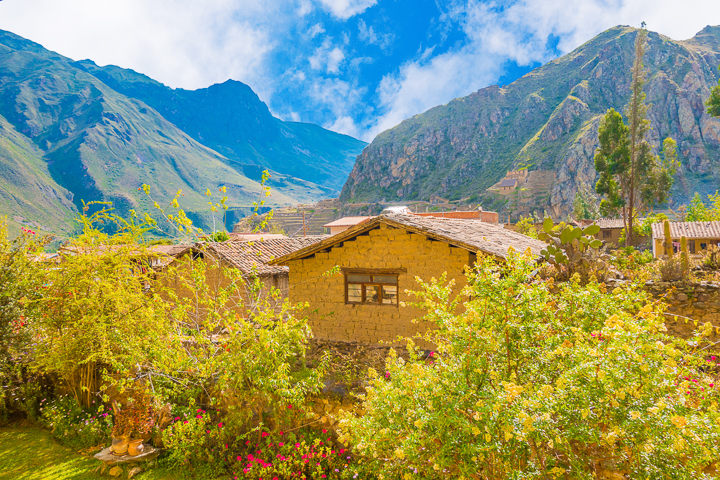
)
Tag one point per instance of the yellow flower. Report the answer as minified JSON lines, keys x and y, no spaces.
{"x":488,"y":437}
{"x":399,"y":453}
{"x":678,"y":421}
{"x":476,"y":416}
{"x":436,"y":466}
{"x":556,"y":471}
{"x":418,"y":423}
{"x":634,"y":415}
{"x":476,"y":431}
{"x":585,"y":412}
{"x":546,"y":390}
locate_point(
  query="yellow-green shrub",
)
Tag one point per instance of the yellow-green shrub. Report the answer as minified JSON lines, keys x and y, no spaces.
{"x":538,"y":380}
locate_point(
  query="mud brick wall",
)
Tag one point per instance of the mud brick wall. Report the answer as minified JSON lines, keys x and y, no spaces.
{"x":385,"y":247}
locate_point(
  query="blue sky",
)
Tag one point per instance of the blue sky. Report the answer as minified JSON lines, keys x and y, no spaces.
{"x":354,"y":66}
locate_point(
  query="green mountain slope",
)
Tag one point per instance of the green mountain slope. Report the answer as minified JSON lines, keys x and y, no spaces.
{"x":232,"y":120}
{"x":548,"y":120}
{"x":66,"y":136}
{"x":29,"y":194}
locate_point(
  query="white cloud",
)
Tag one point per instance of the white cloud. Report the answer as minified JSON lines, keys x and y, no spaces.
{"x":316,"y":30}
{"x":369,"y":35}
{"x":518,"y":32}
{"x":327,"y":57}
{"x":182,"y":43}
{"x":345,"y":9}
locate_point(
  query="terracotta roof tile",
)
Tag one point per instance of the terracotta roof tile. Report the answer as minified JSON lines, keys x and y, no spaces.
{"x":688,"y":230}
{"x":246,"y":256}
{"x":472,"y":235}
{"x":611,"y":223}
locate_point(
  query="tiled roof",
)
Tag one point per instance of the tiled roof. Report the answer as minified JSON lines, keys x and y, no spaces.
{"x":508,"y":182}
{"x":472,"y":235}
{"x":254,"y":236}
{"x":347,"y":221}
{"x":172,"y":250}
{"x":247,"y":255}
{"x":611,"y":222}
{"x":688,"y":230}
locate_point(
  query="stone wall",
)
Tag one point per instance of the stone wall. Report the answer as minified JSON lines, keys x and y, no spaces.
{"x":385,"y":247}
{"x":690,"y":305}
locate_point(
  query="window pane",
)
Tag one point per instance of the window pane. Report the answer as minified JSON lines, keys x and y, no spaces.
{"x":389,"y":294}
{"x":358,"y":278}
{"x":385,"y":279}
{"x":372,"y":293}
{"x":354,"y":293}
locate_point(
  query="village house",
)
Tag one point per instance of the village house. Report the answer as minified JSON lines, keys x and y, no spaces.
{"x":699,"y":236}
{"x":251,"y":258}
{"x":611,"y":231}
{"x":379,"y":259}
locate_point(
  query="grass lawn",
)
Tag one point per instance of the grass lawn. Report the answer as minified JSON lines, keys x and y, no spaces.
{"x":30,"y":453}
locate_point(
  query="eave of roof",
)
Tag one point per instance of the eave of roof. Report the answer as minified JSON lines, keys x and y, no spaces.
{"x":390,"y":221}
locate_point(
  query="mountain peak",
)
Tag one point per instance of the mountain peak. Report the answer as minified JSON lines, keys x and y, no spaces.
{"x":708,"y":37}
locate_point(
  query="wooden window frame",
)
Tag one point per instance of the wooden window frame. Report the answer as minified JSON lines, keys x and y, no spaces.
{"x":371,"y":273}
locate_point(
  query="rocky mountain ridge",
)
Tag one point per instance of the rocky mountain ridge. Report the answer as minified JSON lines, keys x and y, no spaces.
{"x":548,"y":120}
{"x":67,"y":137}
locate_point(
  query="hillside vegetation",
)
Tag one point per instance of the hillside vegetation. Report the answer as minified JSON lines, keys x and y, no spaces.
{"x":548,"y":120}
{"x":70,"y":137}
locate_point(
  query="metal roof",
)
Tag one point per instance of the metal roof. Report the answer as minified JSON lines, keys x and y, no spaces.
{"x":508,"y":182}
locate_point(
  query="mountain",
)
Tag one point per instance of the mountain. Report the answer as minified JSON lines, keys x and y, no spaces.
{"x":68,"y":137}
{"x":232,"y":120}
{"x":547,"y":122}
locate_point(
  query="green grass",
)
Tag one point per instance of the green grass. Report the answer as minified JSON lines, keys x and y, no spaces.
{"x":30,"y":453}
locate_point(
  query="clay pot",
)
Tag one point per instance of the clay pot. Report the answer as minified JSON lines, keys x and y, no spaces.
{"x":120,"y":445}
{"x":136,"y":447}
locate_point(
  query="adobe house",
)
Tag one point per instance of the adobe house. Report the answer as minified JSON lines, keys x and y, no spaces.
{"x":699,"y":235}
{"x":250,"y":258}
{"x":611,"y":231}
{"x":379,"y":259}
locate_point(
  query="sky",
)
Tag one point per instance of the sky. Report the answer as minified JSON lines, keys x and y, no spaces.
{"x":356,"y":67}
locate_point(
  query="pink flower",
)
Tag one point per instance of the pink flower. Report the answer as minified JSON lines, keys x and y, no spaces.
{"x":264,"y":434}
{"x":290,"y":407}
{"x":220,"y":425}
{"x":198,"y":416}
{"x":324,"y":431}
{"x":280,"y":444}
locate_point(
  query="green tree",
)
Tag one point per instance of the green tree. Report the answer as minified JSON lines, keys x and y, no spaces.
{"x":713,"y":103}
{"x":698,"y":211}
{"x":586,"y":204}
{"x":632,"y":179}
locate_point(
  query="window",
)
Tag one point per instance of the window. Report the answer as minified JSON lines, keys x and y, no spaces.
{"x":607,"y":234}
{"x":703,"y":246}
{"x":691,"y":246}
{"x":372,"y":289}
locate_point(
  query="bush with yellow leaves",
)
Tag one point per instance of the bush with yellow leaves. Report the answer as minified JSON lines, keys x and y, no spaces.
{"x":541,"y":380}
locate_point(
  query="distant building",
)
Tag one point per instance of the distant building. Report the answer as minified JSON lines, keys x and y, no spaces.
{"x":507,"y":185}
{"x":611,"y":230}
{"x":482,"y":215}
{"x":342,"y":224}
{"x":699,"y":236}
